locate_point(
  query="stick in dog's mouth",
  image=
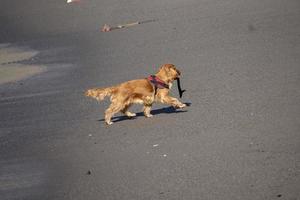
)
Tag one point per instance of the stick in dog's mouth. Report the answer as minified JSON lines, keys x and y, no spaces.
{"x":179,"y":88}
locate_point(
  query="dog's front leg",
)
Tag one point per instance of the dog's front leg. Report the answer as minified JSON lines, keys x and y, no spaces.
{"x":163,"y":97}
{"x":173,"y":101}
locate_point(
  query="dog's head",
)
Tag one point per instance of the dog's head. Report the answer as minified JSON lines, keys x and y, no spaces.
{"x":94,"y":93}
{"x":169,"y":71}
{"x":89,"y":93}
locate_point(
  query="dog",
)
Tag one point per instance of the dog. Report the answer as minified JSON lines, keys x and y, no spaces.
{"x":145,"y":91}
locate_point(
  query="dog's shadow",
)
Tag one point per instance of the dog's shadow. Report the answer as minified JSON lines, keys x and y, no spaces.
{"x":166,"y":110}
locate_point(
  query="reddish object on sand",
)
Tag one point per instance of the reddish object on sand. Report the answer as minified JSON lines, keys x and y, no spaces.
{"x":106,"y":28}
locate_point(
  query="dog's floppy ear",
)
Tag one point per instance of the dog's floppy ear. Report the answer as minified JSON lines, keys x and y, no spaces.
{"x":162,"y":67}
{"x":167,"y":67}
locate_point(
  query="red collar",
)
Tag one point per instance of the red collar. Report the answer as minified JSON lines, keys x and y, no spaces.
{"x":158,"y":83}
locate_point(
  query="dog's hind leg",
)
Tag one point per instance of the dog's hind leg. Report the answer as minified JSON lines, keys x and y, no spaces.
{"x":112,"y":109}
{"x":147,"y":109}
{"x":127,"y":113}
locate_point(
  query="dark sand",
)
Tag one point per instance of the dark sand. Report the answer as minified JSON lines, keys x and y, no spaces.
{"x":11,"y":67}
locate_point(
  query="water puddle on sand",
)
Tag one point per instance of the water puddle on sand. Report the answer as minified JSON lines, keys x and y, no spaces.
{"x":11,"y":68}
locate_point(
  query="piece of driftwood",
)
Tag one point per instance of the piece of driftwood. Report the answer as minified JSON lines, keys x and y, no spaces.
{"x":107,"y":28}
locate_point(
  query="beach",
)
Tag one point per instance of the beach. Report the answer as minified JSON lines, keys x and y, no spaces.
{"x":12,"y":65}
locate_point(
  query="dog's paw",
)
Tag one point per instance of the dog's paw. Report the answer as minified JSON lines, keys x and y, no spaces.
{"x":109,"y":123}
{"x":183,"y":105}
{"x":129,"y":114}
{"x":149,"y":116}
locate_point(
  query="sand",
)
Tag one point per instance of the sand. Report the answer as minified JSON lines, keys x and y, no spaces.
{"x":11,"y":67}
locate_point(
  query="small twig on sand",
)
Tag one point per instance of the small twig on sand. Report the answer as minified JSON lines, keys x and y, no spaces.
{"x":107,"y":28}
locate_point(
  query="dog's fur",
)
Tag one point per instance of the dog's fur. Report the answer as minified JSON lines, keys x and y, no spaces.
{"x":139,"y":91}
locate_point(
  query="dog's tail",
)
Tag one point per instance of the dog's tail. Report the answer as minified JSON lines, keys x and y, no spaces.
{"x":100,"y":93}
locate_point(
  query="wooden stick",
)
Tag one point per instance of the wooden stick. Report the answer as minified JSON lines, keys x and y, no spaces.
{"x":107,"y":28}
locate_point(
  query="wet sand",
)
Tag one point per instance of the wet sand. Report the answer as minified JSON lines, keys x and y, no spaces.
{"x":11,"y":67}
